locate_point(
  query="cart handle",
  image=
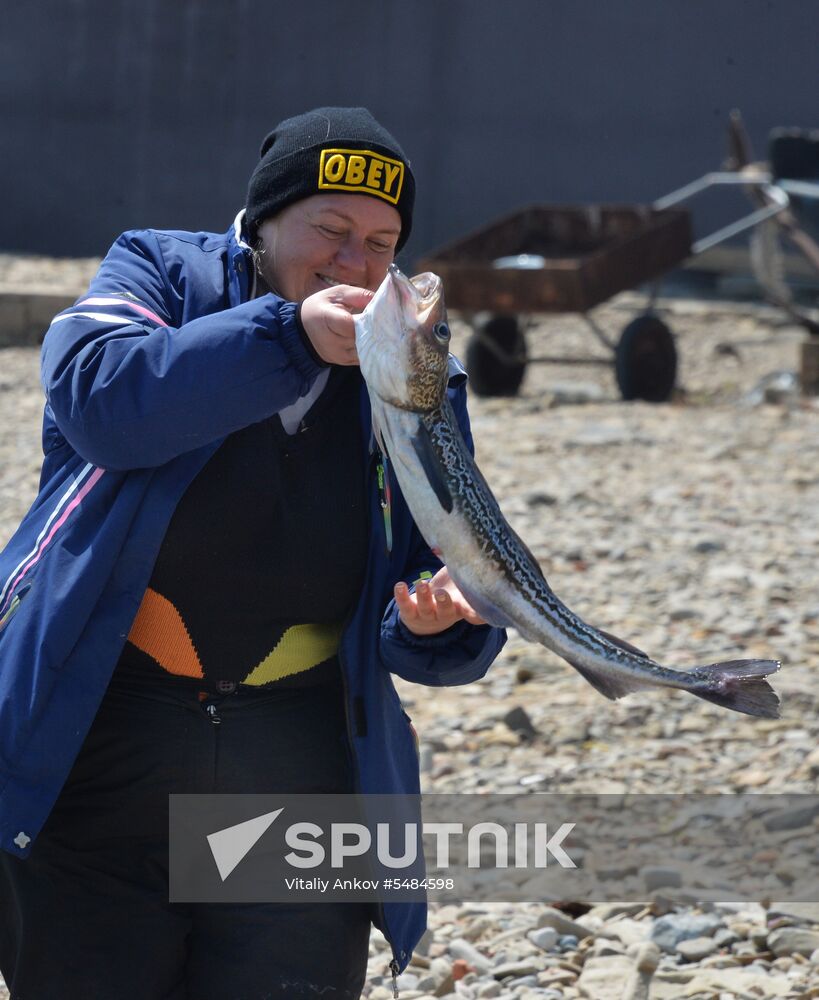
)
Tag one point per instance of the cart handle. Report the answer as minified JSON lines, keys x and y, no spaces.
{"x":758,"y":179}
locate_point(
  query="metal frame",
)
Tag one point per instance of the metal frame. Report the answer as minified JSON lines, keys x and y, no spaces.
{"x":763,"y":181}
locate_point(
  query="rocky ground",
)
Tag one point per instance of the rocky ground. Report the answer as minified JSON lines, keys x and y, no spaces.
{"x":690,"y":529}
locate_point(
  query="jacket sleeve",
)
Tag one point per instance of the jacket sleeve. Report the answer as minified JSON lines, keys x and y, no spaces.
{"x":464,"y":652}
{"x":132,"y":386}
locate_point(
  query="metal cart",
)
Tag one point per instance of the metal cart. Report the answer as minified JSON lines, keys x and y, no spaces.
{"x":548,"y":258}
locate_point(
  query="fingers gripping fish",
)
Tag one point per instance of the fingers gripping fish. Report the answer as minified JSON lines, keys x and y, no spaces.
{"x":402,"y":340}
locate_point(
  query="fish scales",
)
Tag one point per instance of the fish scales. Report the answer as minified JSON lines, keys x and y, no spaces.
{"x":402,"y":339}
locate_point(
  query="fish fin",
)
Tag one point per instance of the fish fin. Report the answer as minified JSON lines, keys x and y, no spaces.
{"x":536,"y":567}
{"x":432,"y":467}
{"x":740,"y":686}
{"x":612,"y":687}
{"x":491,"y":614}
{"x":627,"y":646}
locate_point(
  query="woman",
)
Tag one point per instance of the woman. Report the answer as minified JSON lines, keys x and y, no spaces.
{"x":203,"y":597}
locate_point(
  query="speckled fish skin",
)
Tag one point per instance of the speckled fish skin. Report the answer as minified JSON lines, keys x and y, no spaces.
{"x":402,"y":340}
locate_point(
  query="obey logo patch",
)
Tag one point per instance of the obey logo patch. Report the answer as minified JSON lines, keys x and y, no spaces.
{"x":361,"y":170}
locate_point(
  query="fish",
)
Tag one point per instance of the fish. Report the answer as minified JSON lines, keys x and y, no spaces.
{"x":403,"y":340}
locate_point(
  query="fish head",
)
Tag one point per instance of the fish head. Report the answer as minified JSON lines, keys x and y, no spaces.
{"x":402,"y":339}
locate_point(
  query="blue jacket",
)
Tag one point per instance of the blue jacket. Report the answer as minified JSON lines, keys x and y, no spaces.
{"x":145,"y":376}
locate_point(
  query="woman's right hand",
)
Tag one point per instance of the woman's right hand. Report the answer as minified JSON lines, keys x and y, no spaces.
{"x":327,"y":318}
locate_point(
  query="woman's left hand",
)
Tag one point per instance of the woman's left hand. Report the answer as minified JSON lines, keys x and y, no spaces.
{"x":435,"y":606}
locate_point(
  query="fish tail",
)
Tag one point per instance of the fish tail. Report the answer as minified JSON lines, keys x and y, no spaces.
{"x":741,"y":686}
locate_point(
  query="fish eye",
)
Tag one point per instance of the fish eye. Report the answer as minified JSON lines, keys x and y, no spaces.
{"x":441,"y":332}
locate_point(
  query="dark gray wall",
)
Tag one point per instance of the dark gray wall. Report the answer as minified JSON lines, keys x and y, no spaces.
{"x":123,"y":113}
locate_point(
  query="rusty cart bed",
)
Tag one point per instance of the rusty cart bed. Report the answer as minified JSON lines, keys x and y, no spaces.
{"x":548,"y":258}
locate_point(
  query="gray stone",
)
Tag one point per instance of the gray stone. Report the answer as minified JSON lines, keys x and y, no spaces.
{"x":660,"y":877}
{"x":544,"y":938}
{"x":575,"y":731}
{"x":514,"y":984}
{"x":551,"y":917}
{"x":459,"y":948}
{"x":719,"y":960}
{"x":792,"y":819}
{"x":605,"y":978}
{"x":741,"y":911}
{"x":784,"y":963}
{"x":683,"y":613}
{"x":540,"y":498}
{"x":758,"y":936}
{"x":422,"y":948}
{"x":725,"y":937}
{"x":607,"y":946}
{"x":522,"y":967}
{"x":744,"y":982}
{"x":708,"y":545}
{"x":25,"y":317}
{"x":510,"y":934}
{"x":744,"y":949}
{"x":605,"y":436}
{"x":696,"y":949}
{"x":407,"y":981}
{"x":446,"y":986}
{"x":429,"y":983}
{"x":517,"y":719}
{"x":704,"y":899}
{"x":646,"y":957}
{"x":574,"y":393}
{"x":638,"y":984}
{"x":793,"y":941}
{"x":441,"y":968}
{"x":628,"y":931}
{"x":670,"y":930}
{"x":804,"y":913}
{"x":606,"y":911}
{"x":478,"y":927}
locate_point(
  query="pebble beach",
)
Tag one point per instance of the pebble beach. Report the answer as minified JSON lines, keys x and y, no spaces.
{"x":690,"y":529}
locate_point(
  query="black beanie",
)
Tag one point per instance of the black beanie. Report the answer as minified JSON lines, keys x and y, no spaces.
{"x":326,"y":150}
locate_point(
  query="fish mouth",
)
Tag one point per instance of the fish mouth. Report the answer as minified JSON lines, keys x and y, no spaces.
{"x":421,"y":293}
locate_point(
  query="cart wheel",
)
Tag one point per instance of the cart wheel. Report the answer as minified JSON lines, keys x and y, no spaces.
{"x":645,"y":360}
{"x":496,"y":356}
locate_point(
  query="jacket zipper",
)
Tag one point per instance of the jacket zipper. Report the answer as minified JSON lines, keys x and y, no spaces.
{"x":385,"y":502}
{"x":394,"y":970}
{"x":341,"y":658}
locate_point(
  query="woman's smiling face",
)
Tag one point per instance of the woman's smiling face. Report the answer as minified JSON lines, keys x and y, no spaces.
{"x":328,"y":239}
